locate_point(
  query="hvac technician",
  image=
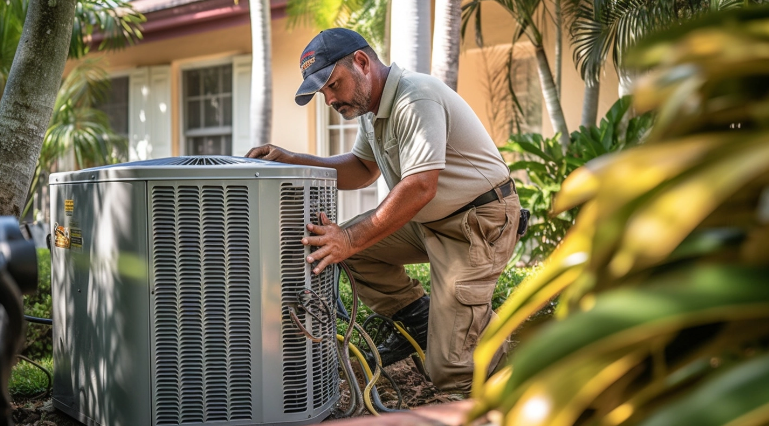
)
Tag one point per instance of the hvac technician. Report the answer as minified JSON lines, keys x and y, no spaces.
{"x":451,"y":201}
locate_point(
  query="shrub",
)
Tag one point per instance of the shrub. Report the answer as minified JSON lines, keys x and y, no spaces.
{"x":38,"y":343}
{"x":547,"y":167}
{"x":28,"y":380}
{"x":664,"y":302}
{"x":507,"y":283}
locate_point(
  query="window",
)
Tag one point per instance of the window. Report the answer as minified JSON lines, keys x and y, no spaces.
{"x":208,"y":110}
{"x":116,"y":106}
{"x":337,"y":136}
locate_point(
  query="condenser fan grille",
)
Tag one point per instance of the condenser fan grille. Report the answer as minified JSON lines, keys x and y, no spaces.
{"x":301,"y":387}
{"x":201,"y":302}
{"x":204,"y":161}
{"x":323,"y":199}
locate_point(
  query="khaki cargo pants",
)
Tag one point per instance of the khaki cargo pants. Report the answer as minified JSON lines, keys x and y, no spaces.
{"x":467,"y":252}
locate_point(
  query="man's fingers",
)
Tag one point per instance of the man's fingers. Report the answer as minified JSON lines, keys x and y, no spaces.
{"x":321,"y":266}
{"x":324,"y":220}
{"x":254,"y":152}
{"x":316,"y":229}
{"x":318,"y":255}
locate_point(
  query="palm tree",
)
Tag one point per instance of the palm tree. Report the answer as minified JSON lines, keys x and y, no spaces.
{"x":11,"y":22}
{"x":367,"y":17}
{"x":445,"y":62}
{"x":261,"y":72}
{"x":52,"y":31}
{"x":602,"y":26}
{"x":410,"y":35}
{"x":529,"y":17}
{"x":663,"y":309}
{"x":78,"y":126}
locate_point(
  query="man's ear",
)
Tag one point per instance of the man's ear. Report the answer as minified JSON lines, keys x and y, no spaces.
{"x":362,"y":61}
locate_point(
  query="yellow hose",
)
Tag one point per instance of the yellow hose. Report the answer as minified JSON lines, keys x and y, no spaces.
{"x":410,"y":339}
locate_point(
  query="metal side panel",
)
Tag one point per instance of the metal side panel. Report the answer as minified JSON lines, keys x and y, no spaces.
{"x":205,"y":302}
{"x":100,"y":302}
{"x":306,"y":371}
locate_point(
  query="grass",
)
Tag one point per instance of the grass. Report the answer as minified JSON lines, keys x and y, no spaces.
{"x":27,"y":380}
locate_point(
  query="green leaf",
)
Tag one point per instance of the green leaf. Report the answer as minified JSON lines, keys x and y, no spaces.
{"x":739,"y":396}
{"x":692,"y":296}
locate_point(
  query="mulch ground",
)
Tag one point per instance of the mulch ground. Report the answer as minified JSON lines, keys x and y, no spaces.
{"x":416,"y":391}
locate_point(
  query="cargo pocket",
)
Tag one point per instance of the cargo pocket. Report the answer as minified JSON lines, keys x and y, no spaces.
{"x":472,"y":315}
{"x":483,"y":226}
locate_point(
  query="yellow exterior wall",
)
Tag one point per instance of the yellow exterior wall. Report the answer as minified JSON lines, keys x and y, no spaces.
{"x":293,"y":126}
{"x":498,"y":26}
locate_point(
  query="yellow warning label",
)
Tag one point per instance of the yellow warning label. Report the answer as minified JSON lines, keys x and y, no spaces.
{"x":76,"y":239}
{"x":69,"y":207}
{"x":61,"y":236}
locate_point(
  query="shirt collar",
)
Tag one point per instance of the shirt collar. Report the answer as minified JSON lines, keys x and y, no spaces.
{"x":388,"y":92}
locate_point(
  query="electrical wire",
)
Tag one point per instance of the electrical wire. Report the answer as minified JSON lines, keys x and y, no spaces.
{"x":36,"y":320}
{"x":369,"y":396}
{"x":47,"y":373}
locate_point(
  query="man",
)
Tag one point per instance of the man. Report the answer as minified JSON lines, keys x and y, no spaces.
{"x":451,"y":201}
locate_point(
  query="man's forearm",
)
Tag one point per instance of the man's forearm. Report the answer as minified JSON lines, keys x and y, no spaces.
{"x":400,"y":206}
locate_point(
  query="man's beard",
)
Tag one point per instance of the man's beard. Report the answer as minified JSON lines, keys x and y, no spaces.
{"x":361,"y":99}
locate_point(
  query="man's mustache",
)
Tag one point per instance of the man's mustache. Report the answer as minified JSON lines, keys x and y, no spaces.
{"x":337,"y":105}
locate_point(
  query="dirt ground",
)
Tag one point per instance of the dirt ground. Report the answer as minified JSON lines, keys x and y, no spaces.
{"x":415,"y":390}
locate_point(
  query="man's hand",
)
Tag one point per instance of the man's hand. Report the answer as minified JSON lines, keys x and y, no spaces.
{"x":332,"y":241}
{"x":270,"y":153}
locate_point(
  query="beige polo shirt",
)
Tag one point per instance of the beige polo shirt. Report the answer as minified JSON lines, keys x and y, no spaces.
{"x":423,"y":125}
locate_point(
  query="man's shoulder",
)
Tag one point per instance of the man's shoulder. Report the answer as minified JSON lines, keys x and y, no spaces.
{"x":414,"y":86}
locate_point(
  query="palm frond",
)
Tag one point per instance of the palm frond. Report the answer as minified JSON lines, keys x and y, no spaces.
{"x":87,"y":85}
{"x":117,"y":20}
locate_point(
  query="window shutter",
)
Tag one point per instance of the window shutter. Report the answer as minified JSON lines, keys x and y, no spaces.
{"x":241,"y":104}
{"x":138,"y":97}
{"x":159,"y":108}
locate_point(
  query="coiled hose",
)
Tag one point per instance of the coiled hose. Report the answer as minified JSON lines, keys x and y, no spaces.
{"x":369,"y":397}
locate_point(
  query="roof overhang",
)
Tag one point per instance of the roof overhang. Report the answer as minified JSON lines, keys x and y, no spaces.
{"x":174,"y":18}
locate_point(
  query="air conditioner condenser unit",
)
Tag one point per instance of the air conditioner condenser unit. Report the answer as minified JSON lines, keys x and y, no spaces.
{"x":173,"y":282}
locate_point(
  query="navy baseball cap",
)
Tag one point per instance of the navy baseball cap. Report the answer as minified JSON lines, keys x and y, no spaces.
{"x":320,"y":56}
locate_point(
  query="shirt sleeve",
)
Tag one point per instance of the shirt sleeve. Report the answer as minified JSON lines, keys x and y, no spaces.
{"x":421,"y":128}
{"x":362,"y":148}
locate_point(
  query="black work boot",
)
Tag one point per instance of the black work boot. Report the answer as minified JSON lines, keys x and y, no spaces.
{"x":414,"y":319}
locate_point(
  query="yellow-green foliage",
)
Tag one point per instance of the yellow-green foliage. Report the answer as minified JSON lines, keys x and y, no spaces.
{"x":28,"y":380}
{"x":663,"y":315}
{"x":38,"y":340}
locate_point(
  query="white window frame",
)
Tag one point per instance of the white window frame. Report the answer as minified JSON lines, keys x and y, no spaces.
{"x":192,"y":65}
{"x":350,"y":203}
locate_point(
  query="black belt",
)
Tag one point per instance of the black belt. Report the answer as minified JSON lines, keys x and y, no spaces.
{"x":506,"y":189}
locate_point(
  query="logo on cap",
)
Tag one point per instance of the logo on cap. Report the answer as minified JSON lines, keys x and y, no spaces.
{"x":307,"y":59}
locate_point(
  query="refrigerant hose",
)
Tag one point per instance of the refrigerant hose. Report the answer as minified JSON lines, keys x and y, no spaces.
{"x":369,"y":396}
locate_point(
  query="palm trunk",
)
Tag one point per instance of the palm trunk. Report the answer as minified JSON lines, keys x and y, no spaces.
{"x":445,"y":63}
{"x":261,"y":73}
{"x":552,"y":102}
{"x":410,"y":39}
{"x":590,"y":104}
{"x":558,"y":46}
{"x":30,"y":94}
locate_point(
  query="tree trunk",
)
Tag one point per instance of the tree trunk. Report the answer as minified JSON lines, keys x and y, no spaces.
{"x":552,"y":102}
{"x":558,"y":46}
{"x":30,"y":93}
{"x":410,"y":35}
{"x":446,"y":38}
{"x":261,"y":73}
{"x":626,"y":81}
{"x":590,"y":104}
